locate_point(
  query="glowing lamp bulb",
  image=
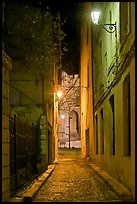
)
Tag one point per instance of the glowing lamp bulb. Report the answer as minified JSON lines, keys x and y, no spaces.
{"x":95,"y":16}
{"x":59,"y":94}
{"x":62,"y":116}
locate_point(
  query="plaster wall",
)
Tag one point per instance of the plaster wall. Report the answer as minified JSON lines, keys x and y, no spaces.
{"x":113,"y":70}
{"x":113,"y":59}
{"x":119,"y":166}
{"x":86,"y":89}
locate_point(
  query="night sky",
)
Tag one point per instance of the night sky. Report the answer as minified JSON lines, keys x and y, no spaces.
{"x":68,"y":11}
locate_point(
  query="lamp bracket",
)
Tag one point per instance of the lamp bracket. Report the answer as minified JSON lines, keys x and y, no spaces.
{"x":111,"y":27}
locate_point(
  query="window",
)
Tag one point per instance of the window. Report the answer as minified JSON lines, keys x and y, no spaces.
{"x":87,"y":34}
{"x":14,"y":98}
{"x":100,"y":73}
{"x":105,"y":59}
{"x":112,"y":120}
{"x":126,"y":116}
{"x":110,"y":16}
{"x":100,"y":55}
{"x":95,"y":76}
{"x":87,"y":143}
{"x":102,"y":131}
{"x":88,"y":76}
{"x":125,"y":17}
{"x":96,"y":120}
{"x":110,"y":36}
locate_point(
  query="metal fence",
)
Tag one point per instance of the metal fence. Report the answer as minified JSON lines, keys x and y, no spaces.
{"x":24,"y":151}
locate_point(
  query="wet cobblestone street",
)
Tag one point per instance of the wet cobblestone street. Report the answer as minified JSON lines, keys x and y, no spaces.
{"x":73,"y":181}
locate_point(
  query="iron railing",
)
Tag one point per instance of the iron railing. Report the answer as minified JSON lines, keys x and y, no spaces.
{"x":24,"y":152}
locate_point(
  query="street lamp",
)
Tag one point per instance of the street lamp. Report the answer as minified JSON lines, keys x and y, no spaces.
{"x":95,"y":16}
{"x":62,"y":116}
{"x":59,"y":94}
{"x":109,"y":27}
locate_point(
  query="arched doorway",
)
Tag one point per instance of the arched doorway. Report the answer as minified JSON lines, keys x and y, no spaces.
{"x":74,"y":135}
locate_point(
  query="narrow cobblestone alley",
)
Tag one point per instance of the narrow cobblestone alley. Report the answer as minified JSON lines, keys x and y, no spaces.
{"x":73,"y":181}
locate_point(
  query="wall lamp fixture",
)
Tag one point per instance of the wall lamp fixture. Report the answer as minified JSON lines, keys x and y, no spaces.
{"x":110,"y":28}
{"x":58,"y":92}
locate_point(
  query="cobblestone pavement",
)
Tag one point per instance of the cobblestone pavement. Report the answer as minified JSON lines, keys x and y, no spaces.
{"x":73,"y":181}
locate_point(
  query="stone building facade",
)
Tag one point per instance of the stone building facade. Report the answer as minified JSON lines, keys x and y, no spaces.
{"x":69,"y":110}
{"x":109,"y":127}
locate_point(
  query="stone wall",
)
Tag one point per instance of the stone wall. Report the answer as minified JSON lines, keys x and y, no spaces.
{"x":69,"y":108}
{"x":6,"y":66}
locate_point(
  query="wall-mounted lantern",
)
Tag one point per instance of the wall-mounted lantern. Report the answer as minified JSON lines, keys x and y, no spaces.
{"x":109,"y":27}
